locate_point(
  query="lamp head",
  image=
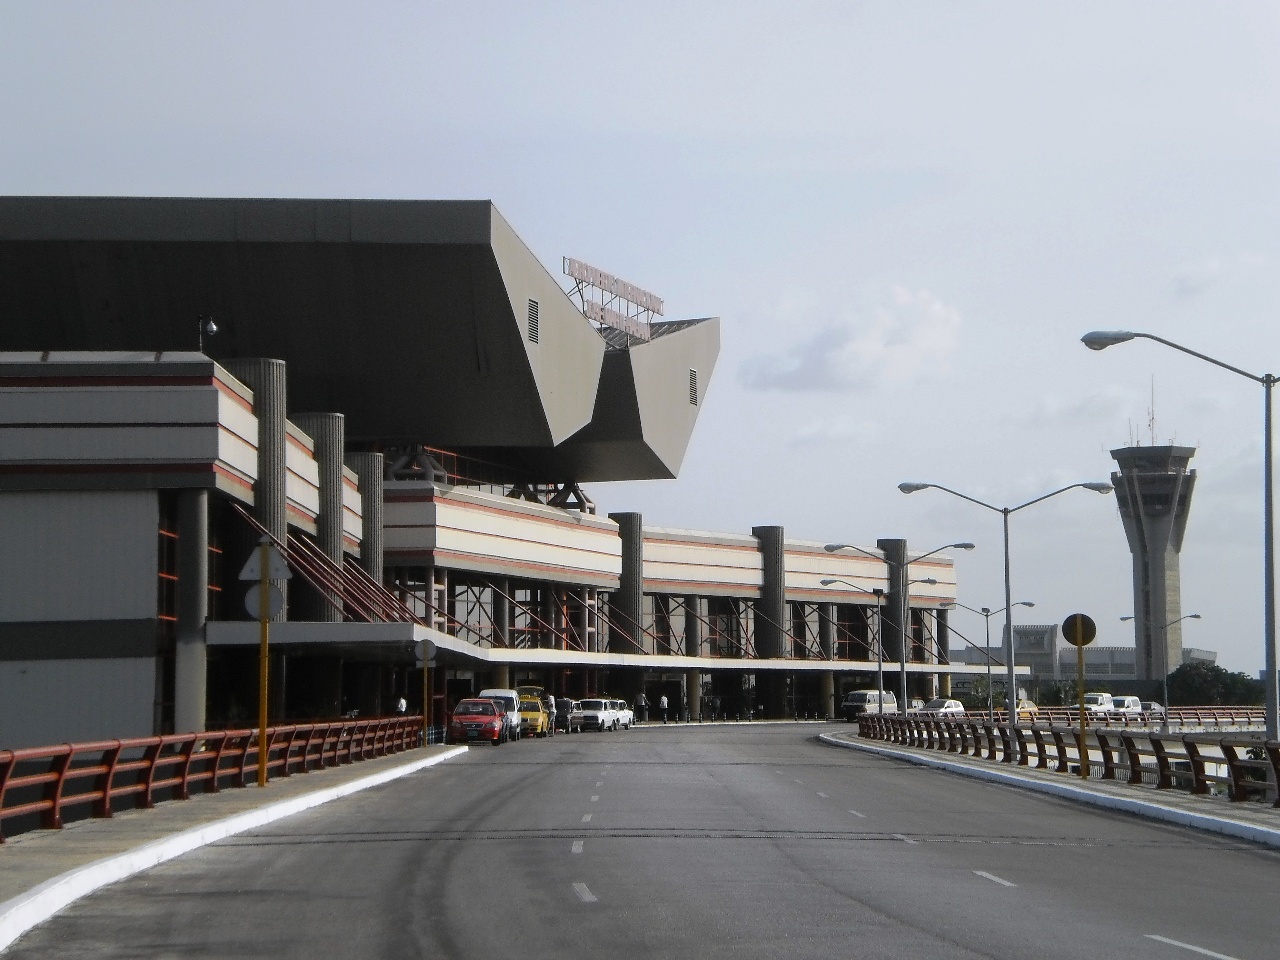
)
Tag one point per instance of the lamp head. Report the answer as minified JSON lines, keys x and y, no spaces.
{"x":927,"y":580}
{"x":1193,"y":616}
{"x":827,"y":583}
{"x":833,"y":547}
{"x":947,"y":605}
{"x":210,"y":328}
{"x":1101,"y":339}
{"x":913,"y":487}
{"x":1098,"y":487}
{"x":1127,"y":618}
{"x":1024,"y":603}
{"x":961,"y":546}
{"x":986,"y":611}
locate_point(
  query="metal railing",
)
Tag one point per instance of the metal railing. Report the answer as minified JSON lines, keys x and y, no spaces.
{"x":1245,"y":768}
{"x":43,"y":787}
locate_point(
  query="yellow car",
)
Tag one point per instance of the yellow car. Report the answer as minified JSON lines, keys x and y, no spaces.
{"x":534,"y":718}
{"x":1027,"y":710}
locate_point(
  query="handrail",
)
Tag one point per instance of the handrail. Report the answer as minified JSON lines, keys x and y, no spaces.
{"x":41,"y":783}
{"x":1190,"y":761}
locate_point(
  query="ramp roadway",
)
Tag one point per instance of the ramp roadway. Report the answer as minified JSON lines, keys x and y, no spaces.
{"x":752,"y":841}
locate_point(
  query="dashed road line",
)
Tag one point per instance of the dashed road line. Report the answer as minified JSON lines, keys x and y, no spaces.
{"x":994,"y":879}
{"x":586,"y":818}
{"x":584,"y":893}
{"x":577,"y":847}
{"x":822,"y":795}
{"x":599,"y":783}
{"x":595,"y":797}
{"x":857,"y":814}
{"x":1187,"y":946}
{"x":898,"y":836}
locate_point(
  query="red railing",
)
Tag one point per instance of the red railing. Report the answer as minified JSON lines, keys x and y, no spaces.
{"x":1164,"y":760}
{"x":39,"y":785}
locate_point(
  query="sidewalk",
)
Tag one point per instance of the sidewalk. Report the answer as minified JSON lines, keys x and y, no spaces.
{"x":44,"y":870}
{"x":1246,"y":821}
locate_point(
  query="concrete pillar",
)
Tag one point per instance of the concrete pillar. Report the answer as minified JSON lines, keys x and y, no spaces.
{"x":501,"y":676}
{"x":266,"y":378}
{"x":771,"y":608}
{"x":582,"y":616}
{"x":501,"y":613}
{"x":369,"y":468}
{"x":190,"y":659}
{"x":692,"y":628}
{"x":627,"y":604}
{"x":896,"y":610}
{"x":827,"y":694}
{"x":693,"y":693}
{"x":328,"y":431}
{"x":827,"y":630}
{"x":944,"y":652}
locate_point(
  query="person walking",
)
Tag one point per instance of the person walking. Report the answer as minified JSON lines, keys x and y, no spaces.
{"x":642,"y":707}
{"x":662,"y":705}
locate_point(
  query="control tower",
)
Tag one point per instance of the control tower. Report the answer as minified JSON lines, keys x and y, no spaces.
{"x":1153,"y":491}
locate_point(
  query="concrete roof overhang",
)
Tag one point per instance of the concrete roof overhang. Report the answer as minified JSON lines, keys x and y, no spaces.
{"x":411,"y":317}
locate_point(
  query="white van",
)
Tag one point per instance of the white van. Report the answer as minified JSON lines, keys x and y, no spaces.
{"x":867,"y":701}
{"x":511,"y":701}
{"x":1098,"y":703}
{"x":1129,"y":706}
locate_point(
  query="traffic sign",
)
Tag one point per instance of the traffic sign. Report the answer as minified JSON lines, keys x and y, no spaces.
{"x":1079,"y":630}
{"x":277,"y":568}
{"x":253,"y":602}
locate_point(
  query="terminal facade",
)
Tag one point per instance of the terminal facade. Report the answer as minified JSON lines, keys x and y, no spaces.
{"x":402,"y":398}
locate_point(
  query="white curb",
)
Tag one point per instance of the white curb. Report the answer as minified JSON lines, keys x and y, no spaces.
{"x":38,"y":904}
{"x":1143,"y":808}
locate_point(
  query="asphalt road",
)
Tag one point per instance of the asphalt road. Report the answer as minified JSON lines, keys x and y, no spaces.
{"x":689,"y":843}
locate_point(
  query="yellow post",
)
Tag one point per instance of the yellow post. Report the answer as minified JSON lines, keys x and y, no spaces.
{"x":1084,"y":744}
{"x":264,"y":617}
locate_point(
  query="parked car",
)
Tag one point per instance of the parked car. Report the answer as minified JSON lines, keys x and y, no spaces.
{"x":476,"y":719}
{"x":564,"y":715}
{"x":1126,"y":706}
{"x":534,"y":718}
{"x":857,"y":702}
{"x":1098,"y":703}
{"x":510,"y":701}
{"x":942,"y":707}
{"x":596,"y":714}
{"x":626,"y":716}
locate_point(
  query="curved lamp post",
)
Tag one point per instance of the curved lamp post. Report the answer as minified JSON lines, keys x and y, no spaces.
{"x":986,"y":613}
{"x":1100,"y":340}
{"x":1164,"y":659}
{"x":1011,"y":694}
{"x":904,"y":601}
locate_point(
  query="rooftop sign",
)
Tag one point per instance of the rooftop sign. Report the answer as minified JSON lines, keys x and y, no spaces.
{"x":611,"y":302}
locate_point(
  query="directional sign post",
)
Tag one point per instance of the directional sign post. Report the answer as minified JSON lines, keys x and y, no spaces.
{"x":1079,"y":631}
{"x":264,"y":565}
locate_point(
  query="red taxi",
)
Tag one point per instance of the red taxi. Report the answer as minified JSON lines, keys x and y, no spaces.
{"x":476,"y":719}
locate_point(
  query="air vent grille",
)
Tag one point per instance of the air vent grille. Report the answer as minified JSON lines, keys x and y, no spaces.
{"x":533,"y":321}
{"x":693,"y":387}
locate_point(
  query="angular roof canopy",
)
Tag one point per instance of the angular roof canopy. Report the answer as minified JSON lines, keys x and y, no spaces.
{"x":410,"y":317}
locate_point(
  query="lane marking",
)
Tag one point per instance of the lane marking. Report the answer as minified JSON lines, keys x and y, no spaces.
{"x":584,"y":894}
{"x":577,"y":847}
{"x":595,"y":798}
{"x":793,"y":780}
{"x":898,"y":836}
{"x":994,"y":879}
{"x":599,"y":783}
{"x":821,"y":794}
{"x":1187,"y":946}
{"x":586,"y":818}
{"x":857,"y":814}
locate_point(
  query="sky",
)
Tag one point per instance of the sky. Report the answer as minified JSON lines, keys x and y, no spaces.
{"x":905,"y":215}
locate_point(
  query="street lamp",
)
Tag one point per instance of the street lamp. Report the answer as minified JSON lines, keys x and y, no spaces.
{"x":1011,"y":694}
{"x":986,"y":613}
{"x":904,"y":601}
{"x":1100,"y":340}
{"x":1164,"y":660}
{"x":879,"y":595}
{"x":207,"y":328}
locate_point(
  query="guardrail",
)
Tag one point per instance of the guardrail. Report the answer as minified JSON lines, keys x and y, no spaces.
{"x":1164,"y":760}
{"x":40,"y":785}
{"x":1178,"y":716}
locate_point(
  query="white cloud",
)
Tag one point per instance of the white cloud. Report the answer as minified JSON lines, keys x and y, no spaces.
{"x":907,"y":340}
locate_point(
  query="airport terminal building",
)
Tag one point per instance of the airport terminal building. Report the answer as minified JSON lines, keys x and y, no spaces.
{"x":408,"y":404}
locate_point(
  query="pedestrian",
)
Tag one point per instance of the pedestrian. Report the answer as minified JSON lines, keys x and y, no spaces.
{"x":642,"y":707}
{"x":662,"y":705}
